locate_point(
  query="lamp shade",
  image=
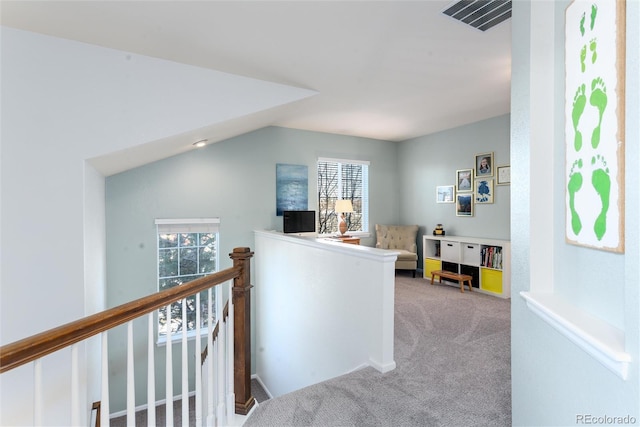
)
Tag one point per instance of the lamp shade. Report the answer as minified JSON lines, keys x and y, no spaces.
{"x":343,"y":206}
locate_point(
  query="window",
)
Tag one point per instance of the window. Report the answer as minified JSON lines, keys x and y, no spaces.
{"x":187,"y":250}
{"x":343,"y":179}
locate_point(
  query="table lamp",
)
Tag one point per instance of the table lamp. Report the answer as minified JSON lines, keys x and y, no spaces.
{"x":342,"y":207}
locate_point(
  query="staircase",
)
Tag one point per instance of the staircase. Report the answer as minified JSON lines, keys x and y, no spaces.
{"x":221,"y":392}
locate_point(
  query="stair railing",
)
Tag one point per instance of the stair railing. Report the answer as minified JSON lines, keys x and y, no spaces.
{"x":238,"y":348}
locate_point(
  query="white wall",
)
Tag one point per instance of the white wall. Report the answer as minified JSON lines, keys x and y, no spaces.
{"x":233,"y":180}
{"x":42,"y":211}
{"x":322,"y":310}
{"x":62,"y":103}
{"x":553,"y":380}
{"x":94,"y":272}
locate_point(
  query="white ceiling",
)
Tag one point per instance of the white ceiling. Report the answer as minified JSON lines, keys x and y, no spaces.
{"x":388,"y":70}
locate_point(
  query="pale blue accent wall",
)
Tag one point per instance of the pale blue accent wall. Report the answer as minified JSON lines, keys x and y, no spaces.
{"x":432,"y":160}
{"x":554,"y":381}
{"x":233,"y":180}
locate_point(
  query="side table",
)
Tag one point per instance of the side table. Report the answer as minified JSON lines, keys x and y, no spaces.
{"x":350,"y":239}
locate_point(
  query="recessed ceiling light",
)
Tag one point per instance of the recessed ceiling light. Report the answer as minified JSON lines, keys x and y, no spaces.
{"x":201,"y":143}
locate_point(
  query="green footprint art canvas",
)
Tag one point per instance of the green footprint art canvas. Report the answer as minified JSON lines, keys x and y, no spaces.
{"x":594,"y":126}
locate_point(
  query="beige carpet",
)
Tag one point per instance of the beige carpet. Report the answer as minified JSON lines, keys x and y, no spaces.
{"x":452,"y":352}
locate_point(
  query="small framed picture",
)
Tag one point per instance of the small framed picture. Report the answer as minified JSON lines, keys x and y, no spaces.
{"x":445,"y":194}
{"x":484,"y":164}
{"x":464,"y":180}
{"x":464,"y":204}
{"x":503,"y":173}
{"x":484,"y":190}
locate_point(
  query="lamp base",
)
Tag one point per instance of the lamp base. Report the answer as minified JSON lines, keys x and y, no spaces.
{"x":342,"y":226}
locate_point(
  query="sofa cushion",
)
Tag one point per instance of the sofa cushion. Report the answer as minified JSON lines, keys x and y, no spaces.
{"x":406,"y":255}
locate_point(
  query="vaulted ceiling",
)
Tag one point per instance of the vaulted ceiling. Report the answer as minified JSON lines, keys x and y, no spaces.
{"x":390,"y":70}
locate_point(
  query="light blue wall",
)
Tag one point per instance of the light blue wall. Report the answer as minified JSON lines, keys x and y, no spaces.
{"x":432,"y":160}
{"x":233,"y":180}
{"x":553,"y":380}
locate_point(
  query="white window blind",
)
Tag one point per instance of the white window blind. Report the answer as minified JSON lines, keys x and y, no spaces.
{"x":191,"y":225}
{"x":343,"y":179}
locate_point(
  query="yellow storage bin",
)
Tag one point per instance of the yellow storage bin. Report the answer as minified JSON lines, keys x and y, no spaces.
{"x":491,"y":280}
{"x":431,"y":265}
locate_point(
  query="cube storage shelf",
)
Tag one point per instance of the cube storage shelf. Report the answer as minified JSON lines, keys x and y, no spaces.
{"x":488,"y":261}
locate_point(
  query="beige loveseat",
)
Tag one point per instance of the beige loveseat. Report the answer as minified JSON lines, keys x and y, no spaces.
{"x":401,"y":238}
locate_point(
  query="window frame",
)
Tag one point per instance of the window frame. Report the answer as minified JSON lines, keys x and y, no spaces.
{"x":364,"y":230}
{"x":186,"y":226}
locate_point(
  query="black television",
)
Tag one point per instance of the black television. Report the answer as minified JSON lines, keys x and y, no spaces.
{"x":299,"y":221}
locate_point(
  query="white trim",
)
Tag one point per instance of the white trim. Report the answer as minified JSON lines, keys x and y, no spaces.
{"x":187,"y":221}
{"x":188,"y":225}
{"x":264,"y":387}
{"x":382,"y":367}
{"x":365,"y":185}
{"x":336,"y":160}
{"x":366,"y":252}
{"x":176,"y":338}
{"x":184,"y":225}
{"x":603,"y":341}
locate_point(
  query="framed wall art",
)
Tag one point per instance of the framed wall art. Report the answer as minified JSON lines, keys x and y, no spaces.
{"x":292,"y":188}
{"x":484,"y":165}
{"x":464,"y":180}
{"x":503,"y":175}
{"x":594,"y":124}
{"x":464,"y":204}
{"x":484,"y":190}
{"x":445,"y":194}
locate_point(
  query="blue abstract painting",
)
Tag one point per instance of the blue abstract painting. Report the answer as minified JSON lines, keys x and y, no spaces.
{"x":292,"y":188}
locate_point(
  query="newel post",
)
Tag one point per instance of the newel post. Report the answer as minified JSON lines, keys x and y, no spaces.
{"x":242,"y":332}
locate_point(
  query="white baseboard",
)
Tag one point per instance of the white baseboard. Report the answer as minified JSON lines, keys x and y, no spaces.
{"x":357,"y":368}
{"x":264,"y":387}
{"x":383,"y":368}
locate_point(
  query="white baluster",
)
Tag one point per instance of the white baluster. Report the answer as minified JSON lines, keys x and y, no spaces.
{"x":185,"y":367}
{"x":151,"y":376}
{"x":37,"y":392}
{"x":104,"y":405}
{"x":75,"y":386}
{"x":216,"y":379}
{"x":169,"y":372}
{"x":210,"y":385}
{"x":131,"y":389}
{"x":198,"y":366}
{"x":221,"y":354}
{"x":231,"y":396}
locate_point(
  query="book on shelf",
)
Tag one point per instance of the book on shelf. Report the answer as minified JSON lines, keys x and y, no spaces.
{"x":491,"y":257}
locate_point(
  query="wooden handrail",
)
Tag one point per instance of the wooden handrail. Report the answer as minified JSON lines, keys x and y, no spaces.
{"x":215,"y":332}
{"x":34,"y":347}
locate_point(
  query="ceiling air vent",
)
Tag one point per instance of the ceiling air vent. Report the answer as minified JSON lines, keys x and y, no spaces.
{"x":480,"y":14}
